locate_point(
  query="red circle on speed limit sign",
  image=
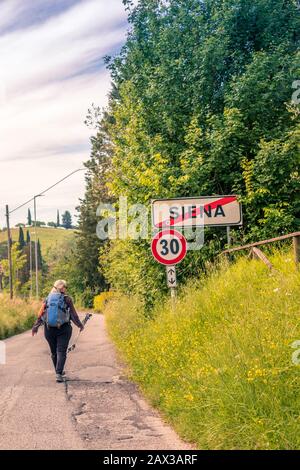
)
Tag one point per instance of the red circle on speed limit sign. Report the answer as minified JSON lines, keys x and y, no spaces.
{"x":169,"y":247}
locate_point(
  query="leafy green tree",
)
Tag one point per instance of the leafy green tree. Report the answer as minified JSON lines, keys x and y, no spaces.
{"x":201,"y":106}
{"x":88,"y":244}
{"x":64,"y":265}
{"x":18,"y":263}
{"x":40,"y":223}
{"x":67,"y":220}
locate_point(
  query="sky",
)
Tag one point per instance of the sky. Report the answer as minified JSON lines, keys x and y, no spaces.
{"x":51,"y":71}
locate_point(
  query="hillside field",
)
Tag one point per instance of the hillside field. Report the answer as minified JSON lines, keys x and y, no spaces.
{"x":50,"y":238}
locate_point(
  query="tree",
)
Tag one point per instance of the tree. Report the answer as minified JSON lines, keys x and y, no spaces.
{"x":40,"y":223}
{"x":97,"y":192}
{"x":199,"y":106}
{"x":29,"y":219}
{"x":58,"y":219}
{"x":64,"y":265}
{"x":67,"y":220}
{"x":18,"y":263}
{"x":28,"y":239}
{"x":52,"y":224}
{"x":21,"y":238}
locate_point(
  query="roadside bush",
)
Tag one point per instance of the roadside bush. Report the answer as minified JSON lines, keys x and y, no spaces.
{"x":16,"y":315}
{"x":101,"y":299}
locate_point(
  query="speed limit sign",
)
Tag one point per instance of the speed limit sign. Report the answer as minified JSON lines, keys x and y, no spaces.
{"x":169,"y":247}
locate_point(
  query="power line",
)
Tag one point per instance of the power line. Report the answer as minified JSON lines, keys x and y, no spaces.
{"x":46,"y":190}
{"x":8,"y":212}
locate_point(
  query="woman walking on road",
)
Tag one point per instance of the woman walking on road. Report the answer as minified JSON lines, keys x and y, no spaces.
{"x":56,"y":314}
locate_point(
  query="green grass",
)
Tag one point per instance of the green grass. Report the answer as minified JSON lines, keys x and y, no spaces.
{"x":219,"y":365}
{"x":16,"y":315}
{"x":50,"y":238}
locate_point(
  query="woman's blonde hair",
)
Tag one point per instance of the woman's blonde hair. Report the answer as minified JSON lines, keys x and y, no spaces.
{"x":58,"y":286}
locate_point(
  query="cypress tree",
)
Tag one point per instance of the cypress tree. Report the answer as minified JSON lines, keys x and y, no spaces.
{"x":21,"y":238}
{"x":96,"y":190}
{"x":39,"y":255}
{"x":29,"y":219}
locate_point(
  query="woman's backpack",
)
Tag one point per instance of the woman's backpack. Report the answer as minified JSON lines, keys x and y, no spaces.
{"x":57,"y":312}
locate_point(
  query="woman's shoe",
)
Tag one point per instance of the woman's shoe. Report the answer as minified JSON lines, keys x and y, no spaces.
{"x":59,"y":378}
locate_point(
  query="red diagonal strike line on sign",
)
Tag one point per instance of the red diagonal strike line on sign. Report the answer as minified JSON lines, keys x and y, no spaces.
{"x":219,"y":202}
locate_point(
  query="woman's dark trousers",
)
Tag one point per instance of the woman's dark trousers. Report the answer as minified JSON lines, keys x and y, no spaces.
{"x":58,"y":339}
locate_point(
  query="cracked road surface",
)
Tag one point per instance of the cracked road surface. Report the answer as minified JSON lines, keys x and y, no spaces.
{"x":97,"y":408}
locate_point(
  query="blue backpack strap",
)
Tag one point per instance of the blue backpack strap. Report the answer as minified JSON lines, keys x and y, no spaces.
{"x":64,"y":303}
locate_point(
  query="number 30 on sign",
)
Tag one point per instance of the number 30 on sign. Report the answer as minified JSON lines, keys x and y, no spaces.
{"x":169,"y":247}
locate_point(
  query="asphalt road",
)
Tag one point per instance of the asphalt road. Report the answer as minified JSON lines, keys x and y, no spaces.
{"x":97,"y":407}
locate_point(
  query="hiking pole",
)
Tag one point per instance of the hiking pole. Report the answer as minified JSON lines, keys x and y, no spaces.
{"x":84,"y":321}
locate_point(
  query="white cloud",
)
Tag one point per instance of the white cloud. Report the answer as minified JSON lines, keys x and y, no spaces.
{"x":48,"y":79}
{"x":11,"y":10}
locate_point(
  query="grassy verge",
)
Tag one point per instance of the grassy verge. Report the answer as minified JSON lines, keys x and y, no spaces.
{"x":220,"y":366}
{"x":16,"y":315}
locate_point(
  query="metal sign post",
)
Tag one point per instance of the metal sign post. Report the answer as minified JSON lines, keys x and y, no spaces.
{"x":171,"y":280}
{"x":228,"y":235}
{"x":169,"y":247}
{"x":171,"y":276}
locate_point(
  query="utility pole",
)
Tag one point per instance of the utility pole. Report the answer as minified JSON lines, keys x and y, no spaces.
{"x":36,"y":254}
{"x":11,"y":291}
{"x":36,"y":250}
{"x":30,"y":264}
